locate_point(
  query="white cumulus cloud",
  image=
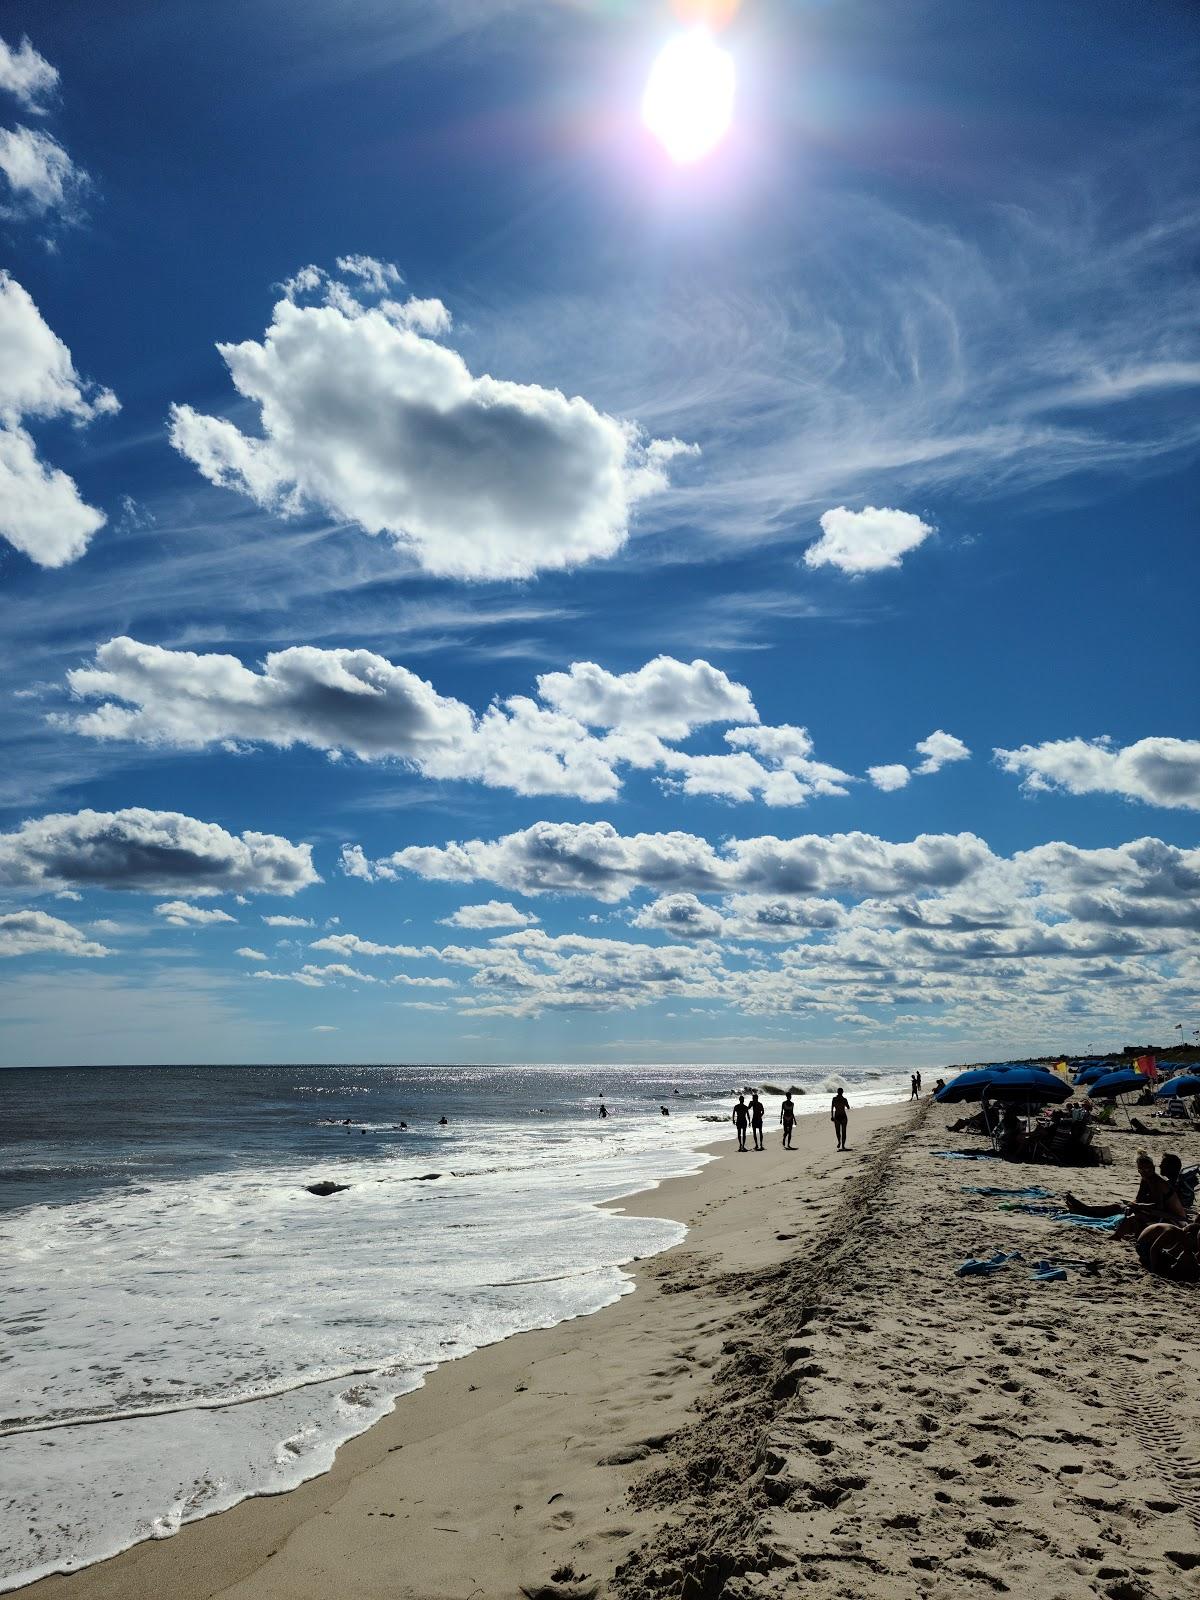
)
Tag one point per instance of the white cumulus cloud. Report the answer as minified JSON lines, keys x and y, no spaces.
{"x":156,"y":852}
{"x":889,"y":777}
{"x":865,"y":541}
{"x":939,"y":750}
{"x":490,"y":914}
{"x":182,"y":915}
{"x":41,"y":511}
{"x":30,"y":933}
{"x":592,"y":858}
{"x":367,"y":416}
{"x":1160,"y":771}
{"x":666,"y":697}
{"x":348,"y":944}
{"x":249,"y":953}
{"x":681,"y":915}
{"x":359,"y":702}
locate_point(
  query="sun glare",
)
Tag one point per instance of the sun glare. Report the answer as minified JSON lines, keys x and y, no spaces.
{"x":688,"y":101}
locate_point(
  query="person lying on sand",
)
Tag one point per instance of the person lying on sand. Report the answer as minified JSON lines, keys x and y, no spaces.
{"x":1171,"y":1251}
{"x":1156,"y":1201}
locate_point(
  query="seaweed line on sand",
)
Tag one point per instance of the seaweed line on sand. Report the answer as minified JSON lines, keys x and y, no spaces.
{"x":717,"y":1477}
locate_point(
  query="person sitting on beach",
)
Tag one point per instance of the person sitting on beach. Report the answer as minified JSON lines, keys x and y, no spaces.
{"x":1010,"y":1137}
{"x":939,"y":1085}
{"x":1155,"y":1201}
{"x":756,"y":1120}
{"x":839,"y":1115}
{"x":741,"y":1116}
{"x":1181,"y":1183}
{"x":975,"y":1123}
{"x":1171,"y":1251}
{"x":787,"y":1115}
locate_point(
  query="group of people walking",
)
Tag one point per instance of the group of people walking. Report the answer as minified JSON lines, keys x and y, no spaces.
{"x":753,"y":1115}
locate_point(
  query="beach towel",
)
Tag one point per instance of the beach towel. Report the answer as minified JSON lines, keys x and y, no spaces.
{"x":1034,"y":1192}
{"x":1102,"y":1224}
{"x":968,"y":1155}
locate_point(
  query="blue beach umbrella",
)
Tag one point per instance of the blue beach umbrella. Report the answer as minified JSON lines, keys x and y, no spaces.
{"x":1125,"y":1080}
{"x":1031,"y":1086}
{"x":979,"y":1081}
{"x":1178,"y":1088}
{"x":1093,"y":1072}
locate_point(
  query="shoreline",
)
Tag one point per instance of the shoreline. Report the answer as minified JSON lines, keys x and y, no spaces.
{"x":803,"y":1392}
{"x":212,"y":1555}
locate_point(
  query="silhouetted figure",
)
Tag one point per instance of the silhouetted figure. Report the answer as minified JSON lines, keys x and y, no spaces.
{"x":741,"y":1116}
{"x":756,"y":1120}
{"x":443,"y":1122}
{"x":839,"y":1115}
{"x":787,"y":1115}
{"x":918,"y":1082}
{"x":916,"y":1088}
{"x":1011,"y":1141}
{"x":664,"y":1111}
{"x":603,"y":1109}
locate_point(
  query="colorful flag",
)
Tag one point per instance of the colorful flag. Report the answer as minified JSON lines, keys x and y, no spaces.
{"x":1148,"y":1066}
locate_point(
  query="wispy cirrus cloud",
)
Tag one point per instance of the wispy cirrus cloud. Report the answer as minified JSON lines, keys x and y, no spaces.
{"x":990,"y":350}
{"x":39,"y":176}
{"x":26,"y":74}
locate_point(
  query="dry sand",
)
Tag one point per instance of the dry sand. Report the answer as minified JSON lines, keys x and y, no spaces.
{"x":801,"y":1397}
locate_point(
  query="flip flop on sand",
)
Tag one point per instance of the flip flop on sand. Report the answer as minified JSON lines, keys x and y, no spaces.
{"x":997,"y":1263}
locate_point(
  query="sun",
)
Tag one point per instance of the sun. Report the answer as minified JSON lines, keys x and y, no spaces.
{"x":688,"y":100}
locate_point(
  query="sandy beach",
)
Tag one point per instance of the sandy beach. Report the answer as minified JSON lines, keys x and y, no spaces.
{"x":803,"y":1393}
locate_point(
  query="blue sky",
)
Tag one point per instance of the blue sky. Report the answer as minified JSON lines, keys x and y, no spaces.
{"x":740,"y":610}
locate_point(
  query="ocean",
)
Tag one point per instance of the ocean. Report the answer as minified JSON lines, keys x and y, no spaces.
{"x":183,"y":1325}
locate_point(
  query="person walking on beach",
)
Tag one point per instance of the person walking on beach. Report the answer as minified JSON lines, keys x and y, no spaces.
{"x":916,"y":1091}
{"x":787,"y":1115}
{"x":839,"y":1115}
{"x":741,"y":1117}
{"x":756,"y":1120}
